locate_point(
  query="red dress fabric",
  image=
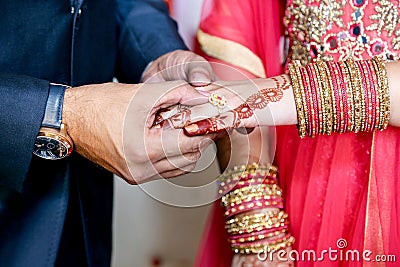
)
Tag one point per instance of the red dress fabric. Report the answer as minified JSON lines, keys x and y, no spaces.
{"x":338,"y":187}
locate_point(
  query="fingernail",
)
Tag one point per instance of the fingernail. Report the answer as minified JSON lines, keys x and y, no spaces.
{"x":203,"y":127}
{"x":158,"y":119}
{"x":245,"y":130}
{"x":205,"y":93}
{"x":192,"y":130}
{"x":199,"y":79}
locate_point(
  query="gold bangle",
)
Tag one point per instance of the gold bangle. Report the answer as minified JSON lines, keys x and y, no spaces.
{"x":350,"y":108}
{"x":241,"y":194}
{"x":298,"y":91}
{"x":255,"y":217}
{"x":258,"y":237}
{"x":230,"y":178}
{"x":320,"y":92}
{"x":277,"y":220}
{"x":383,"y":89}
{"x":356,"y":88}
{"x":264,"y":247}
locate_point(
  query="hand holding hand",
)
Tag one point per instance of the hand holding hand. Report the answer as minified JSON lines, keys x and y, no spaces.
{"x":110,"y":125}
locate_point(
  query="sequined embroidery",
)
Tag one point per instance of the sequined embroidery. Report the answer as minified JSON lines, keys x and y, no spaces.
{"x":320,"y":29}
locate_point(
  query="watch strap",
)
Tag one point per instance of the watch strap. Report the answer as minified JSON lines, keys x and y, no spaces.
{"x":54,"y":106}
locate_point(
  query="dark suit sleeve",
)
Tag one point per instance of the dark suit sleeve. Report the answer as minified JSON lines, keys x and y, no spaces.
{"x":146,"y":31}
{"x":22,"y":105}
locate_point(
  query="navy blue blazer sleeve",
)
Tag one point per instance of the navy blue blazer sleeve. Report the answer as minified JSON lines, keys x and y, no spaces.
{"x":22,"y":105}
{"x":146,"y":31}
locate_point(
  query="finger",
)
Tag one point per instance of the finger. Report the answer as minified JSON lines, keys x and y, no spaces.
{"x":200,"y":74}
{"x":173,"y":117}
{"x":206,"y":126}
{"x":180,"y":93}
{"x":153,"y":78}
{"x":184,"y":94}
{"x":213,"y":108}
{"x":200,"y":108}
{"x":221,"y":123}
{"x":178,"y":115}
{"x":169,"y":143}
{"x":177,"y":162}
{"x":176,"y":173}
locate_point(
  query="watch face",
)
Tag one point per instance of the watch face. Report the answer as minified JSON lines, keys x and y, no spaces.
{"x":50,"y":148}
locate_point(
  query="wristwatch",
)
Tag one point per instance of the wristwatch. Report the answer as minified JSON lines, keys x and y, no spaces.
{"x":53,"y":142}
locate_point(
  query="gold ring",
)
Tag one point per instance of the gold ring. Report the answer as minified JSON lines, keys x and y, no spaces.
{"x":218,"y":100}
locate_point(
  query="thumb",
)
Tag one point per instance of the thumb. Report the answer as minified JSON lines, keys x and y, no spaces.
{"x":181,"y":93}
{"x":201,"y":74}
{"x":240,"y":118}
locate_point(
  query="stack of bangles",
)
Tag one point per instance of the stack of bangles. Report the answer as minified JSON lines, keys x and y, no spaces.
{"x":255,"y":220}
{"x":346,"y":96}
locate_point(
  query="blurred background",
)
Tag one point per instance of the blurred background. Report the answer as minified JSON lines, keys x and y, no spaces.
{"x":160,"y":224}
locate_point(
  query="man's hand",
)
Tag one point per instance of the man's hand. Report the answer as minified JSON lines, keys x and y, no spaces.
{"x":111,"y":125}
{"x":179,"y":65}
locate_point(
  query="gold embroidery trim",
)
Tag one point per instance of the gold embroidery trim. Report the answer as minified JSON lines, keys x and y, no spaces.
{"x":231,"y":52}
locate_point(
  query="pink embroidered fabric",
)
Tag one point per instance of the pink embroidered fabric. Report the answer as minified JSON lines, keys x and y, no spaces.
{"x":336,"y":30}
{"x":338,"y":187}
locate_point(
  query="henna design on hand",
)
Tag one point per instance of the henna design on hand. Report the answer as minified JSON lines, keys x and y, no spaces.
{"x":243,"y":111}
{"x":175,"y":117}
{"x":261,"y":99}
{"x":179,"y":116}
{"x":272,"y":94}
{"x":285,"y":82}
{"x":206,"y":126}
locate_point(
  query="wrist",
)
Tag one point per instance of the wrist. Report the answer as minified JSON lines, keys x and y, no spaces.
{"x":95,"y":118}
{"x":52,"y":141}
{"x":393,"y":69}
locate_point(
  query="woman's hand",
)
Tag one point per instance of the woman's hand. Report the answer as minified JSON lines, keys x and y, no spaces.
{"x":249,"y":103}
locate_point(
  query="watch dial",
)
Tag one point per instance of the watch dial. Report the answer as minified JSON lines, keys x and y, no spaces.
{"x":49,"y":148}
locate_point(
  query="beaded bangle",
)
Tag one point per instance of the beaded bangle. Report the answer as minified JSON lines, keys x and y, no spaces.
{"x":336,"y":98}
{"x":346,"y":111}
{"x":252,"y":173}
{"x":270,"y":222}
{"x":257,"y":217}
{"x":374,"y":100}
{"x":349,"y":94}
{"x":294,"y":70}
{"x":258,"y":235}
{"x":264,"y":247}
{"x":277,"y":239}
{"x":253,"y":204}
{"x":241,"y":194}
{"x":257,"y":228}
{"x":245,"y":180}
{"x":383,"y":92}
